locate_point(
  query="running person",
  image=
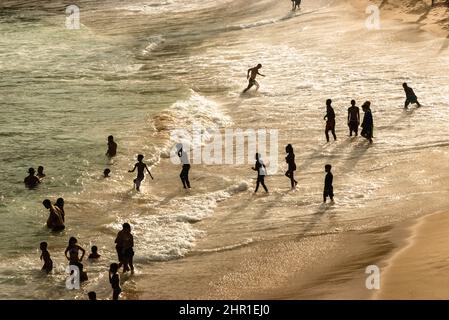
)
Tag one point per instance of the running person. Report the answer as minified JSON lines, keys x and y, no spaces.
{"x":410,"y":96}
{"x":141,"y":167}
{"x":261,"y":173}
{"x":251,"y":76}
{"x":290,"y":159}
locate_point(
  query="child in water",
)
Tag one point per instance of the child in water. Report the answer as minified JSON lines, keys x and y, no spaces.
{"x":114,"y":280}
{"x":94,"y":253}
{"x":48,"y":263}
{"x":141,"y":167}
{"x":328,"y":187}
{"x":106,"y":173}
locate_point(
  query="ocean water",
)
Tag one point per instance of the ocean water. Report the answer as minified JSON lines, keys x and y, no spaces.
{"x":141,"y":69}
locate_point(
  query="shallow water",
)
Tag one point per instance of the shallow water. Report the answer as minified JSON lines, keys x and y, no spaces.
{"x":140,"y":70}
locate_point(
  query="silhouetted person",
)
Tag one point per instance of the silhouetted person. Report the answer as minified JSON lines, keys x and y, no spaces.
{"x":330,"y":120}
{"x":261,"y":173}
{"x":92,"y":295}
{"x":31,"y":181}
{"x":60,"y":205}
{"x":40,"y":172}
{"x":112,"y":147}
{"x":124,"y":246}
{"x":328,"y":187}
{"x":296,"y":4}
{"x":45,"y":256}
{"x":94,"y":253}
{"x":251,"y":76}
{"x":353,"y":119}
{"x":114,"y":280}
{"x":184,"y":175}
{"x":410,"y":96}
{"x":290,"y":159}
{"x":54,"y":221}
{"x":141,"y":167}
{"x":73,"y":250}
{"x":106,"y":173}
{"x":367,"y":123}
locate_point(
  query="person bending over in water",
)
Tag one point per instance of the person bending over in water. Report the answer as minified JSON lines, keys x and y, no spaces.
{"x":112,"y":147}
{"x":114,"y":280}
{"x":261,"y":173}
{"x":184,"y":175}
{"x":330,"y":120}
{"x":73,"y":250}
{"x":94,"y":253}
{"x":60,"y":205}
{"x":290,"y":159}
{"x":106,"y":173}
{"x":31,"y":181}
{"x":55,"y":221}
{"x":45,"y":256}
{"x":141,"y":167}
{"x":328,"y":187}
{"x":251,"y":76}
{"x":353,"y":119}
{"x":367,"y":123}
{"x":40,"y":172}
{"x":410,"y":96}
{"x":124,"y":246}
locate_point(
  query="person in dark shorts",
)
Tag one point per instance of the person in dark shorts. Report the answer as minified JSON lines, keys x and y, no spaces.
{"x":114,"y":280}
{"x":112,"y":147}
{"x":330,"y":120}
{"x":367,"y":123}
{"x":45,"y":256}
{"x":410,"y":96}
{"x":124,"y":246}
{"x":353,"y":119}
{"x":290,"y":159}
{"x":328,"y":187}
{"x":184,"y":175}
{"x":31,"y":181}
{"x":73,"y":250}
{"x":141,"y":167}
{"x":251,"y":76}
{"x":261,"y":173}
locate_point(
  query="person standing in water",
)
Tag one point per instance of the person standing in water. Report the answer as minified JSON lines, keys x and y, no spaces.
{"x":124,"y":246}
{"x":410,"y":96}
{"x":114,"y":280}
{"x":31,"y":181}
{"x":296,"y":4}
{"x":40,"y":172}
{"x":112,"y":147}
{"x":184,"y":175}
{"x":328,"y":187}
{"x":54,"y":221}
{"x":73,"y":250}
{"x":261,"y":173}
{"x":251,"y":76}
{"x":290,"y":159}
{"x":330,"y":120}
{"x":353,"y":119}
{"x":45,"y":256}
{"x":141,"y":167}
{"x":367,"y":123}
{"x":60,"y":205}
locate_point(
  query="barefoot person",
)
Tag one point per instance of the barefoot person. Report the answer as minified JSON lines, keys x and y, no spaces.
{"x":410,"y":96}
{"x":261,"y":173}
{"x":328,"y":187}
{"x":72,"y":254}
{"x":367,"y":123}
{"x":330,"y":120}
{"x":112,"y":147}
{"x":141,"y":167}
{"x":353,"y":119}
{"x":290,"y":159}
{"x":124,"y":246}
{"x":54,"y":221}
{"x":251,"y":76}
{"x":45,"y":256}
{"x":184,"y":175}
{"x":31,"y":181}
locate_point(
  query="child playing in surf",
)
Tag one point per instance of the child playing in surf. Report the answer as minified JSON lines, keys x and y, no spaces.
{"x":410,"y":96}
{"x":112,"y":147}
{"x":106,"y":173}
{"x":94,"y":253}
{"x":328,"y":187}
{"x":330,"y":120}
{"x":261,"y":173}
{"x":40,"y":173}
{"x":141,"y":167}
{"x":290,"y":159}
{"x":353,"y":119}
{"x":251,"y":76}
{"x":45,"y":256}
{"x":114,"y":280}
{"x":31,"y":181}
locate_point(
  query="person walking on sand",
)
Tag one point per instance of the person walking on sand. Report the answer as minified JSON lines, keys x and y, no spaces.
{"x":330,"y":120}
{"x":353,"y":119}
{"x":31,"y":181}
{"x":112,"y":147}
{"x":328,"y":187}
{"x":141,"y":167}
{"x":184,"y":175}
{"x":54,"y":221}
{"x":290,"y":159}
{"x":410,"y":96}
{"x":124,"y":246}
{"x":261,"y":173}
{"x":367,"y":124}
{"x":251,"y":76}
